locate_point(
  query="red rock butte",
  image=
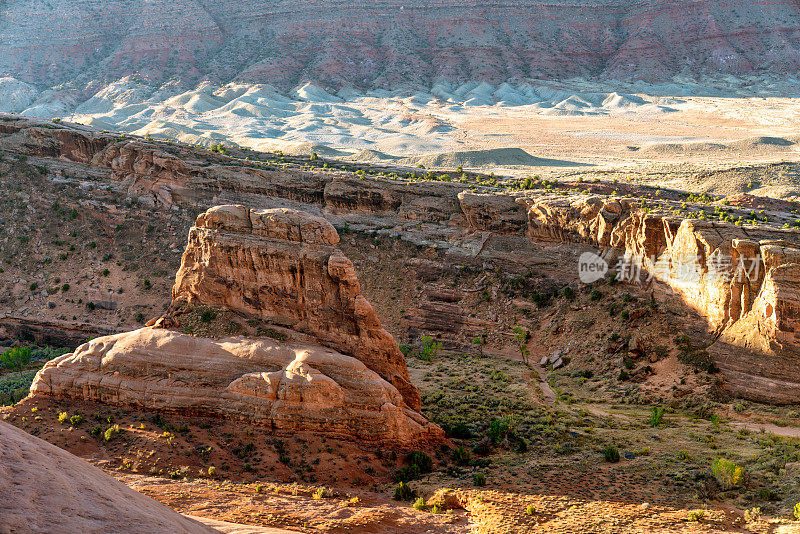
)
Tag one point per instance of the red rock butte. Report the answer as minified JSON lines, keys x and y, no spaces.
{"x":345,"y":378}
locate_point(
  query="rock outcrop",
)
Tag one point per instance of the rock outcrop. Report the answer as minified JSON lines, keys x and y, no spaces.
{"x":350,"y":381}
{"x":46,"y":489}
{"x":282,"y":265}
{"x":745,"y":281}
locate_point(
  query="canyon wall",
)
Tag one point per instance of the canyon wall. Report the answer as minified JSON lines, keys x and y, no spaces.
{"x":741,"y":278}
{"x":744,"y":281}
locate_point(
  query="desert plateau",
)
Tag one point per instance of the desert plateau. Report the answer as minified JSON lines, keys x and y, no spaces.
{"x":399,"y":267}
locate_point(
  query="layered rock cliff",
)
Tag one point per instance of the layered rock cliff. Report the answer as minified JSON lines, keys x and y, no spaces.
{"x":348,"y":380}
{"x":745,"y":281}
{"x":386,"y":44}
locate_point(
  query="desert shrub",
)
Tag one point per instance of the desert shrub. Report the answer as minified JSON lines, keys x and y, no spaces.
{"x":727,"y":474}
{"x":530,"y":510}
{"x":14,"y":388}
{"x":403,"y":492}
{"x":739,"y":407}
{"x":212,"y":471}
{"x":479,"y":479}
{"x":695,"y":516}
{"x":16,"y":358}
{"x":656,"y":416}
{"x":568,"y":293}
{"x":458,"y":431}
{"x":501,"y":428}
{"x":796,"y":511}
{"x":596,"y":294}
{"x":419,"y":504}
{"x":661,"y":351}
{"x":437,"y":508}
{"x":76,"y":419}
{"x":423,"y":462}
{"x":63,"y":417}
{"x":611,"y":454}
{"x":752,"y":515}
{"x":208,"y":315}
{"x":111,"y":432}
{"x":318,"y":494}
{"x":428,"y":348}
{"x":407,"y":473}
{"x":461,"y":456}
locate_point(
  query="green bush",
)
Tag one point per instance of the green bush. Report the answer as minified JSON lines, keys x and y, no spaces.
{"x":727,"y":473}
{"x":419,"y":504}
{"x":479,"y":479}
{"x":76,"y":419}
{"x":111,"y":432}
{"x":428,"y":348}
{"x":796,"y":511}
{"x":501,"y":428}
{"x":403,"y":492}
{"x":611,"y":454}
{"x":423,"y":462}
{"x":16,"y":358}
{"x":208,"y":315}
{"x":656,"y":416}
{"x":14,"y":388}
{"x":461,"y":456}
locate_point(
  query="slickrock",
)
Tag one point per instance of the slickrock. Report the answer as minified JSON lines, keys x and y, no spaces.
{"x":745,"y":281}
{"x":280,"y":265}
{"x":287,"y":387}
{"x":46,"y":489}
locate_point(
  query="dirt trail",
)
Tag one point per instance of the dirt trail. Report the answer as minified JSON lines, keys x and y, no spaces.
{"x":793,"y":432}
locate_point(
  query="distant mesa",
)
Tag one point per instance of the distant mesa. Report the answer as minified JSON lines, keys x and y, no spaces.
{"x":496,"y":157}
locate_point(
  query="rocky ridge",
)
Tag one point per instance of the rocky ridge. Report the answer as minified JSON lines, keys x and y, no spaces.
{"x":278,"y":265}
{"x":386,"y":44}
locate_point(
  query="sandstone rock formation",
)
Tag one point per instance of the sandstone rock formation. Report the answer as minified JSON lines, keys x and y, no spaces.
{"x":745,"y":281}
{"x":279,"y":265}
{"x":46,"y":489}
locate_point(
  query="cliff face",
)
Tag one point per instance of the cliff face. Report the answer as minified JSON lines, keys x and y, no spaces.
{"x":744,"y":281}
{"x":348,"y":380}
{"x":385,"y":44}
